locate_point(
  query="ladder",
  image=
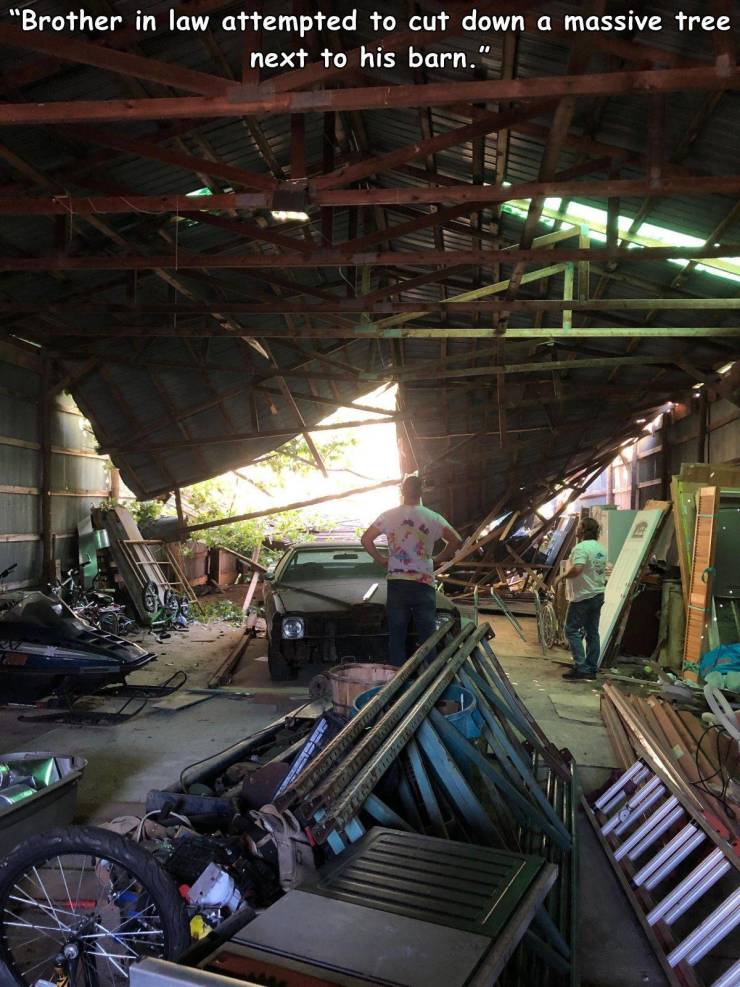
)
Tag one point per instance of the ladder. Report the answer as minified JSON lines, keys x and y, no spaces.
{"x":647,"y":832}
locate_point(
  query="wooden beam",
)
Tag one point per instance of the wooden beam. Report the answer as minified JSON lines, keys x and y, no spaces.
{"x":484,"y":124}
{"x":476,"y":195}
{"x":338,"y":258}
{"x":149,"y":149}
{"x":45,"y":481}
{"x":295,"y":506}
{"x":243,"y":102}
{"x":80,"y":52}
{"x":269,"y":433}
{"x":371,"y":331}
{"x":455,"y":303}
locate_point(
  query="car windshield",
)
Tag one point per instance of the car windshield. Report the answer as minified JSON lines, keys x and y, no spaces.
{"x":331,"y":563}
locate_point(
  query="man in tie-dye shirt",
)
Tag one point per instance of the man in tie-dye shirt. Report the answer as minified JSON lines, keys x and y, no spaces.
{"x":412,"y":532}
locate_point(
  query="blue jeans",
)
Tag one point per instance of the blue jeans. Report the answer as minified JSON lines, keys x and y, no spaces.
{"x":583,"y":621}
{"x":408,"y":601}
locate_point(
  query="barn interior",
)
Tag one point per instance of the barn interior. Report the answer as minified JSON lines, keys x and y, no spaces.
{"x":516,"y":249}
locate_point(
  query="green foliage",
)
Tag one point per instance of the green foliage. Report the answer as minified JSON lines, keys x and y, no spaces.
{"x":221,"y":610}
{"x":276,"y":530}
{"x":146,"y":510}
{"x":295,"y":456}
{"x":214,"y":499}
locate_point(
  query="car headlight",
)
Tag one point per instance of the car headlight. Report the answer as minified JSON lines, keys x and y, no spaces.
{"x":293,"y":628}
{"x":441,"y":619}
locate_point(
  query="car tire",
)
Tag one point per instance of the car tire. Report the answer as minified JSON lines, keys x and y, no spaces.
{"x":280,"y":669}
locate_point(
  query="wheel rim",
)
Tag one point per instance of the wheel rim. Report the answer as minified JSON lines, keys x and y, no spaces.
{"x":150,"y":598}
{"x":171,"y":606}
{"x":90,"y":916}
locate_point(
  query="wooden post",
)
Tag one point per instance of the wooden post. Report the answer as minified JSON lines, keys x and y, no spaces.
{"x":584,"y":267}
{"x":634,"y":480}
{"x":701,"y":452}
{"x":45,"y":519}
{"x":568,"y":277}
{"x":254,"y":580}
{"x":665,"y":461}
{"x":178,"y":508}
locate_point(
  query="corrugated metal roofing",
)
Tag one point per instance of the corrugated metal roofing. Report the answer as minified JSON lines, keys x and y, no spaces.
{"x":163,"y":391}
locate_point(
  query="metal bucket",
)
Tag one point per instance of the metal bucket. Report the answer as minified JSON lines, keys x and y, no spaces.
{"x":348,"y":681}
{"x":464,"y":719}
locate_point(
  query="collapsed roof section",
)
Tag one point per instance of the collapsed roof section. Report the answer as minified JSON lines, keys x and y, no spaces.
{"x":214,"y":260}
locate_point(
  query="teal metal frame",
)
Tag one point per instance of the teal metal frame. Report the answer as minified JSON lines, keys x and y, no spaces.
{"x":510,"y":788}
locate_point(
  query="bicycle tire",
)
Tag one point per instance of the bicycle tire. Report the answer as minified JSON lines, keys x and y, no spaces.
{"x":150,"y":597}
{"x":106,"y":845}
{"x":549,"y":625}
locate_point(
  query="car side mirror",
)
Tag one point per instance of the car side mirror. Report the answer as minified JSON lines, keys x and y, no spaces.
{"x":269,"y":575}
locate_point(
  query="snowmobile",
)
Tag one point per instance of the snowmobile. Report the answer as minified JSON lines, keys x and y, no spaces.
{"x":45,"y":648}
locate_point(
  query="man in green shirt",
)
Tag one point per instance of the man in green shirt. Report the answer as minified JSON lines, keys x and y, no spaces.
{"x":585,"y":580}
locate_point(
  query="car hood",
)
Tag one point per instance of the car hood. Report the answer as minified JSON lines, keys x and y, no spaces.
{"x":332,"y":594}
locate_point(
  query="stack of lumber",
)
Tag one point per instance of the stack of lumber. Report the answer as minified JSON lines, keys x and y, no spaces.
{"x":699,"y":759}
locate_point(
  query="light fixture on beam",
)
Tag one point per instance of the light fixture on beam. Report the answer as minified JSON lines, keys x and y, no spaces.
{"x":285,"y":215}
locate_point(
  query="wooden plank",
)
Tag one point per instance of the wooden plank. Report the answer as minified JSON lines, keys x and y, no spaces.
{"x":698,"y":611}
{"x":297,"y":505}
{"x":245,"y":102}
{"x":223,"y":674}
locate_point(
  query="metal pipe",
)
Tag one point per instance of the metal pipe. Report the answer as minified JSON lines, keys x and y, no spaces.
{"x":655,"y":833}
{"x":351,"y":799}
{"x":655,"y":862}
{"x":711,"y":930}
{"x":334,"y":752}
{"x":721,"y":929}
{"x":513,"y":761}
{"x":697,"y":891}
{"x":670,"y":865}
{"x":628,"y":817}
{"x":343,"y":773}
{"x":622,"y":793}
{"x":731,"y":978}
{"x":646,"y":827}
{"x":680,"y":889}
{"x":634,"y":800}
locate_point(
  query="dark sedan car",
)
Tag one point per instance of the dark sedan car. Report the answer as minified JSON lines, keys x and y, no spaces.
{"x":326,"y":603}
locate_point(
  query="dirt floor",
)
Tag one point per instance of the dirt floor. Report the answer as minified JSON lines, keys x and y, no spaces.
{"x":150,"y":751}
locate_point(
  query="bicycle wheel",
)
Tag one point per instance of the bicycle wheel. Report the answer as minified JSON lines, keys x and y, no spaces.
{"x":171,"y":605}
{"x":83,"y":903}
{"x":549,"y":625}
{"x":150,"y":597}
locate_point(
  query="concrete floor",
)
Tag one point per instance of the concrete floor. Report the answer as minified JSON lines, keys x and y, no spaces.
{"x":150,"y":751}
